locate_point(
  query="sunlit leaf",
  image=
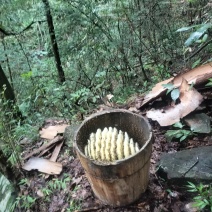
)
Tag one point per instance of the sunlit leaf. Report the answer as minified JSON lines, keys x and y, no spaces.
{"x":175,"y":94}
{"x":197,"y":34}
{"x":168,"y":86}
{"x":178,"y":125}
{"x":205,"y":37}
{"x":183,"y":29}
{"x":193,"y":37}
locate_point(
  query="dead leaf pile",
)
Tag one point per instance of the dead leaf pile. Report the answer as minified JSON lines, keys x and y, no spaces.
{"x":54,"y":140}
{"x":189,"y":99}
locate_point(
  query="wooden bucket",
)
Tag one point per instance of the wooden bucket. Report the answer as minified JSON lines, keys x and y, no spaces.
{"x":123,"y":181}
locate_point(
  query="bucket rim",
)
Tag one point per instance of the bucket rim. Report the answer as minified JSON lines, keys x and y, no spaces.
{"x":117,"y":161}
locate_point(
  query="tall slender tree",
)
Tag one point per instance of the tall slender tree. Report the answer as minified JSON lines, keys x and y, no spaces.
{"x":9,"y":95}
{"x":55,"y":48}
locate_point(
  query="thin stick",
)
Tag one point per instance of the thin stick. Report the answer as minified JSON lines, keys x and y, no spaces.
{"x":44,"y":146}
{"x":55,"y":154}
{"x":89,"y":209}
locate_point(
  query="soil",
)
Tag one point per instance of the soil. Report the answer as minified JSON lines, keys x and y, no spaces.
{"x":75,"y":193}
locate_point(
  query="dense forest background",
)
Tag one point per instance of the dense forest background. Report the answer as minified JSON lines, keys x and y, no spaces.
{"x":61,"y":58}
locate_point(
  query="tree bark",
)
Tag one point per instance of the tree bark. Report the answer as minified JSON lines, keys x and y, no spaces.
{"x":49,"y":18}
{"x":9,"y":95}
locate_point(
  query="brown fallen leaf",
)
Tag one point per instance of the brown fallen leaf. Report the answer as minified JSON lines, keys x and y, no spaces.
{"x":196,"y":76}
{"x":190,"y":99}
{"x":51,"y":131}
{"x":43,"y":165}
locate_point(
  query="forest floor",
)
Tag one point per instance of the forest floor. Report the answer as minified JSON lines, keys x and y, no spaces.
{"x":78,"y":196}
{"x":70,"y":190}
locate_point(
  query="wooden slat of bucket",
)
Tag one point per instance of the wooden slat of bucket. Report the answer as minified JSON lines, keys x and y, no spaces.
{"x":123,"y":182}
{"x":124,"y":185}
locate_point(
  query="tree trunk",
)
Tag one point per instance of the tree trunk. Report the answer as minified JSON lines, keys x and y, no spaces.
{"x":61,"y":74}
{"x":9,"y":95}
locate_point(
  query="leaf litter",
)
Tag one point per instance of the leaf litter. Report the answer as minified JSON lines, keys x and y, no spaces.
{"x":78,"y":194}
{"x":190,"y":99}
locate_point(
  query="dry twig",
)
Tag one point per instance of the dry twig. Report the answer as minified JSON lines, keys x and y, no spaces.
{"x":44,"y":146}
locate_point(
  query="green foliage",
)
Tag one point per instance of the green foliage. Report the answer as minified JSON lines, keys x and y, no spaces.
{"x":180,"y":133}
{"x":209,"y":84}
{"x":57,"y":184}
{"x":74,"y":206}
{"x":196,"y":63}
{"x":25,"y":202}
{"x":175,"y":93}
{"x":203,"y":200}
{"x":8,"y":140}
{"x":195,"y":36}
{"x":106,"y":47}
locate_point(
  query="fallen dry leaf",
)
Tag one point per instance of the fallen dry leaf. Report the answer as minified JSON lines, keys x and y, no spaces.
{"x":51,"y":131}
{"x":43,"y":165}
{"x":190,"y":99}
{"x":196,"y":76}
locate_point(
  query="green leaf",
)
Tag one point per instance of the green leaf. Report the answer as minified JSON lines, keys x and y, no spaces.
{"x":209,"y":84}
{"x":205,"y":37}
{"x":183,"y":138}
{"x":204,"y":27}
{"x":196,"y":63}
{"x":196,"y":35}
{"x":175,"y":94}
{"x":183,"y":29}
{"x":26,"y":75}
{"x":193,"y":37}
{"x":178,"y":125}
{"x":179,"y":135}
{"x":168,"y":86}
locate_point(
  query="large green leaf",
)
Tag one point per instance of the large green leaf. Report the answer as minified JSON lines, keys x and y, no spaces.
{"x":168,"y":86}
{"x":197,"y":34}
{"x":7,"y":197}
{"x":183,"y":29}
{"x":175,"y":94}
{"x":193,"y":37}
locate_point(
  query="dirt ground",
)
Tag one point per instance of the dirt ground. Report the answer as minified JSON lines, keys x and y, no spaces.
{"x":77,"y":195}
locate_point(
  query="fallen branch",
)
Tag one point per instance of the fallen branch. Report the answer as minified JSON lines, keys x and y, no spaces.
{"x":89,"y":209}
{"x":55,"y":154}
{"x":44,"y":146}
{"x":46,"y":150}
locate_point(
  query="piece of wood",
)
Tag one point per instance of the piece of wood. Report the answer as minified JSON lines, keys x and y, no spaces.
{"x":46,"y":150}
{"x":190,"y":99}
{"x":43,"y":165}
{"x":195,"y":76}
{"x":55,"y":154}
{"x":44,"y":146}
{"x":56,"y":151}
{"x":51,"y":131}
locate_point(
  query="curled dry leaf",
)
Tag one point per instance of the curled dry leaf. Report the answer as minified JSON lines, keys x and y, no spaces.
{"x":190,"y":99}
{"x":195,"y":76}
